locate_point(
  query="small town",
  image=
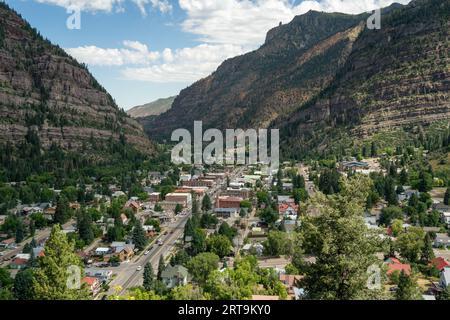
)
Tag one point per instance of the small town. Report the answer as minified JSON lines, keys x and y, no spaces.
{"x":184,"y":226}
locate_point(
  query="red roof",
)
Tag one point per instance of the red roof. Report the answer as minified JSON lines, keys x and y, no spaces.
{"x":89,"y":281}
{"x":440,"y":263}
{"x":283,"y":207}
{"x":395,"y":265}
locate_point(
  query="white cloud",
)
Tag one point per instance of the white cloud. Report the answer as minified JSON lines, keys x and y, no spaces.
{"x":163,"y":6}
{"x":181,"y":65}
{"x":184,"y":65}
{"x":225,"y":28}
{"x":246,"y":22}
{"x":133,"y":52}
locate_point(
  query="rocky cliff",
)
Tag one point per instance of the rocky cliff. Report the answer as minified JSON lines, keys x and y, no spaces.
{"x":325,"y":77}
{"x":45,"y":90}
{"x":154,"y":108}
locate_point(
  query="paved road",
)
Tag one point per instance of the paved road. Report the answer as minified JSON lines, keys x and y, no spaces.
{"x":127,"y":274}
{"x":40,"y":236}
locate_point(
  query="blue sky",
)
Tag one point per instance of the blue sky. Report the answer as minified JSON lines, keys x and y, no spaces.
{"x":142,"y":50}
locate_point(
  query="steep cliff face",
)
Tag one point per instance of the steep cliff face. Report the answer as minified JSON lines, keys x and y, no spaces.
{"x":396,"y":77}
{"x":326,"y":77}
{"x":295,"y":63}
{"x":45,"y":90}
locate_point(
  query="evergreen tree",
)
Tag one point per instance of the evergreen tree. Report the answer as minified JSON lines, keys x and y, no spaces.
{"x":139,"y":237}
{"x":62,"y":213}
{"x":403,"y":179}
{"x":407,"y":288}
{"x":161,"y":267}
{"x":373,"y":149}
{"x":85,"y":229}
{"x":343,"y":245}
{"x":20,"y":232}
{"x":427,"y":250}
{"x":206,"y":203}
{"x":149,"y":277}
{"x":57,"y":276}
{"x":23,"y":285}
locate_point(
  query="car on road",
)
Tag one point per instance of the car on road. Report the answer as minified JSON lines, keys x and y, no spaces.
{"x":146,"y":252}
{"x":139,"y":268}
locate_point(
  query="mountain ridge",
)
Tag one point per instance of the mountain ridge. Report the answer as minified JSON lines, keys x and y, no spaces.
{"x":45,"y":90}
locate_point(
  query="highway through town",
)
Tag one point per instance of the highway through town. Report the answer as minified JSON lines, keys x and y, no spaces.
{"x":127,"y":274}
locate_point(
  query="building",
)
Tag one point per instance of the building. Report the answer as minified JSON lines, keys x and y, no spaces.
{"x":93,"y":284}
{"x":288,"y":209}
{"x":353,"y":165}
{"x":185,"y":199}
{"x":198,"y":183}
{"x":133,"y":205}
{"x":244,"y":193}
{"x":442,"y":240}
{"x":101,"y":251}
{"x":174,"y":276}
{"x":265,"y":298}
{"x":395,"y":265}
{"x":154,"y":197}
{"x":8,"y":243}
{"x":446,"y":218}
{"x":444,"y":281}
{"x":229,"y":202}
{"x":226,"y":213}
{"x":290,"y":282}
{"x":20,"y":261}
{"x":440,"y":263}
{"x":102,"y":275}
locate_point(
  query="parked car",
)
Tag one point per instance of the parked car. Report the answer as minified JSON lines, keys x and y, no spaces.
{"x":139,"y":268}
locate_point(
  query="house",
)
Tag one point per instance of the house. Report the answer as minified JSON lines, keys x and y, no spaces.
{"x":101,"y":251}
{"x":290,"y":282}
{"x":102,"y":275}
{"x":122,"y":250}
{"x":93,"y":284}
{"x":446,"y":218}
{"x":228,"y":202}
{"x":441,"y":207}
{"x":20,"y":261}
{"x":444,"y":281}
{"x":395,"y":265}
{"x":440,"y":263}
{"x":133,"y":205}
{"x":38,"y":252}
{"x":256,"y":249}
{"x":285,"y":199}
{"x":174,"y":276}
{"x":8,"y":243}
{"x":288,"y":186}
{"x":49,"y":213}
{"x":353,"y":165}
{"x":405,"y":196}
{"x":442,"y":240}
{"x":226,"y":213}
{"x":288,"y":209}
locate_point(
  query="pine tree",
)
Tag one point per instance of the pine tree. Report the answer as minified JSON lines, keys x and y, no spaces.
{"x":206,"y":203}
{"x":60,"y":271}
{"x":85,"y":229}
{"x":149,"y":277}
{"x":343,"y":246}
{"x":161,"y":267}
{"x":20,"y":232}
{"x":62,"y":213}
{"x":139,"y":237}
{"x":407,"y":288}
{"x":427,"y":250}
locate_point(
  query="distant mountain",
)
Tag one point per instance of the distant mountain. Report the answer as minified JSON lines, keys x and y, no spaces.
{"x":154,"y":108}
{"x":47,"y":94}
{"x":328,"y":82}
